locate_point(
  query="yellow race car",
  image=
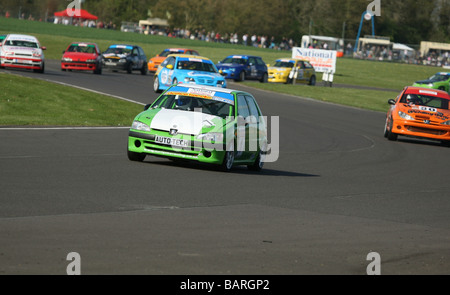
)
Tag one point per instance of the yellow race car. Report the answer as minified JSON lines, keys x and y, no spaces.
{"x":290,"y":71}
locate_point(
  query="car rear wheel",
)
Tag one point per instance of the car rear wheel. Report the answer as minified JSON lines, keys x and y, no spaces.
{"x":144,"y":69}
{"x":137,"y":157}
{"x":312,"y":81}
{"x":259,"y":163}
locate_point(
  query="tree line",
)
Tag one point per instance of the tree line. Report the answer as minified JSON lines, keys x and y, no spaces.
{"x":404,"y":21}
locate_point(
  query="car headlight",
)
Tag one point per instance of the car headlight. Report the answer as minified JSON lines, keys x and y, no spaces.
{"x":122,"y":60}
{"x":140,"y":126}
{"x":90,"y":60}
{"x":430,"y":84}
{"x":66,"y":59}
{"x":189,"y":80}
{"x":220,"y":83}
{"x":446,"y":122}
{"x":232,"y":70}
{"x":211,"y":137}
{"x":405,"y":116}
{"x":36,"y":54}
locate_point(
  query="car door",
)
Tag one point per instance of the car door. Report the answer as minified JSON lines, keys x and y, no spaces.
{"x":135,"y":58}
{"x":253,"y":126}
{"x":253,"y":70}
{"x":261,"y":67}
{"x":166,"y":73}
{"x":242,"y":134}
{"x":309,"y":71}
{"x":300,"y":72}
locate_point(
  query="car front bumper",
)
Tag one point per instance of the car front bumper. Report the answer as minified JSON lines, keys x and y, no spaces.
{"x":21,"y":62}
{"x":145,"y":143}
{"x":418,"y":129}
{"x":82,"y":66}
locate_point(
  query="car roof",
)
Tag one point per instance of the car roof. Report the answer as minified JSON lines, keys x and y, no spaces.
{"x":174,"y":48}
{"x":427,"y":91}
{"x":290,"y":58}
{"x":127,"y":45}
{"x":443,"y":73}
{"x":243,"y":55}
{"x":21,"y":37}
{"x":211,"y":88}
{"x":87,"y":43}
{"x":190,"y":56}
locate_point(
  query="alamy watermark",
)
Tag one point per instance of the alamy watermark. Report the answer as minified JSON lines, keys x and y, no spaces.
{"x":373,"y":9}
{"x":374,"y":267}
{"x":74,"y":8}
{"x":74,"y":267}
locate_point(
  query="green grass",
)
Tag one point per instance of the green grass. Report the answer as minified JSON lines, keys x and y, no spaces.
{"x":366,"y":99}
{"x":382,"y":75}
{"x":43,"y":103}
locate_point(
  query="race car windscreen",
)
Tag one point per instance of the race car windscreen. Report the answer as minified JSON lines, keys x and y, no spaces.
{"x":283,"y":64}
{"x":424,"y":100}
{"x":196,"y":66}
{"x":117,"y":50}
{"x":233,"y":60}
{"x":439,"y":77}
{"x":190,"y":103}
{"x":21,"y":43}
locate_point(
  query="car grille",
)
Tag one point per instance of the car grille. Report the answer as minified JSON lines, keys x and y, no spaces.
{"x":205,"y":81}
{"x":426,"y":130}
{"x":23,"y":54}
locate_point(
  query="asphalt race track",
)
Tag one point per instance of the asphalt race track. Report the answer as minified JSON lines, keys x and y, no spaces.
{"x":338,"y":192}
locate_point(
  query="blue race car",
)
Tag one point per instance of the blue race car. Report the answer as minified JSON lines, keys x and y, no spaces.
{"x":187,"y":69}
{"x":243,"y":67}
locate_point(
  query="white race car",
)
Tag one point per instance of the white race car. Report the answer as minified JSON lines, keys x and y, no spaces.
{"x":22,"y":51}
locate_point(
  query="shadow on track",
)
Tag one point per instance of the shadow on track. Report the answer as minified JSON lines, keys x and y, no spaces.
{"x":241,"y":170}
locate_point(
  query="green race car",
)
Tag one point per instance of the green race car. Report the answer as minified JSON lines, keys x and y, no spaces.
{"x":212,"y":125}
{"x":439,"y":81}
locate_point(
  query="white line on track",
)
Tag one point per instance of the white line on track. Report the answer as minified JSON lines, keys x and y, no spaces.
{"x":94,"y":91}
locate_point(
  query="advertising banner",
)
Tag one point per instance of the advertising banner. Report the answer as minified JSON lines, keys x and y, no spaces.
{"x":322,"y":60}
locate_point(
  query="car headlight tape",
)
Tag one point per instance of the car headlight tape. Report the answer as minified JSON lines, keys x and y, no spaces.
{"x":140,"y":126}
{"x":405,"y":116}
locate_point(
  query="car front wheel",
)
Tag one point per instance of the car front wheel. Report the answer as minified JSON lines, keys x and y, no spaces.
{"x":156,"y":85}
{"x":137,"y":157}
{"x":264,"y":78}
{"x":228,"y":161}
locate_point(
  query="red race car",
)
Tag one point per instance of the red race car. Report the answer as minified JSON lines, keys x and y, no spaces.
{"x":421,"y":113}
{"x":83,"y":57}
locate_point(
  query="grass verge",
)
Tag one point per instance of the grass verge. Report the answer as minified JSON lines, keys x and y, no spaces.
{"x":43,"y":103}
{"x":366,"y":99}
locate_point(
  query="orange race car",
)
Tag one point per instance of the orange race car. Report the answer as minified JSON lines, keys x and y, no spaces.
{"x":154,"y":62}
{"x":419,"y":112}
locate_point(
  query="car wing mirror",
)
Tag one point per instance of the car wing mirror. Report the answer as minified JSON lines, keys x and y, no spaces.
{"x":170,"y":67}
{"x":44,"y":48}
{"x":391,"y":101}
{"x":147,"y":106}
